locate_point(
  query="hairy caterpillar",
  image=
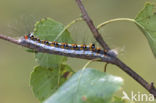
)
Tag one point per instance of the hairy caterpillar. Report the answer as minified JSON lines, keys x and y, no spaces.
{"x":66,"y":49}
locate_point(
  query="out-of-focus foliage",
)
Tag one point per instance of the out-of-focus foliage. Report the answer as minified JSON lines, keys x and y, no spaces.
{"x":16,"y":64}
{"x":48,"y":29}
{"x":146,"y":21}
{"x":87,"y":86}
{"x":52,"y":70}
{"x":45,"y":81}
{"x":120,"y":100}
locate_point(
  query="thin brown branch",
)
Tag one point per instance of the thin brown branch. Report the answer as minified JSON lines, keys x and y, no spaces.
{"x":91,"y":25}
{"x":43,"y":49}
{"x":105,"y":67}
{"x":117,"y":62}
{"x":9,"y":39}
{"x":136,"y":77}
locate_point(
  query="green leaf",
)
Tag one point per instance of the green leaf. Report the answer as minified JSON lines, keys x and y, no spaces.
{"x":146,"y":21}
{"x":48,"y":29}
{"x":87,"y":86}
{"x":120,"y":100}
{"x":45,"y":81}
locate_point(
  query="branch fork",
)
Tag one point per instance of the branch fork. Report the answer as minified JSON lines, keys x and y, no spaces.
{"x":114,"y":60}
{"x":118,"y":62}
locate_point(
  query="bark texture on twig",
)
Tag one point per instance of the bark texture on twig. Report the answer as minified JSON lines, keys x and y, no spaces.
{"x":118,"y":62}
{"x":91,"y":25}
{"x":43,"y":49}
{"x":113,"y":60}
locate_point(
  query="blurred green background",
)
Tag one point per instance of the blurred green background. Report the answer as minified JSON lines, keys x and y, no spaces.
{"x":17,"y":18}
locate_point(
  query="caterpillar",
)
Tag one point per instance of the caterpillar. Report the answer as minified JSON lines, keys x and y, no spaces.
{"x":65,"y":49}
{"x":76,"y":47}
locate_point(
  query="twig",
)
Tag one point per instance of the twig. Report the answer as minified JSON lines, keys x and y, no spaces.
{"x":12,"y":40}
{"x":105,"y":67}
{"x":43,"y":49}
{"x":135,"y":76}
{"x":117,"y":62}
{"x":92,"y":27}
{"x":151,"y":86}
